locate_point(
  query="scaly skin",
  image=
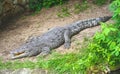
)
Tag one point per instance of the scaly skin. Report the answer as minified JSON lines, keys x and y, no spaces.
{"x":54,"y":38}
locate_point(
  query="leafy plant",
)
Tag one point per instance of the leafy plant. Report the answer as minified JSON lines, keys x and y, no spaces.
{"x":105,"y":46}
{"x":50,"y":3}
{"x":99,"y":2}
{"x":37,"y":5}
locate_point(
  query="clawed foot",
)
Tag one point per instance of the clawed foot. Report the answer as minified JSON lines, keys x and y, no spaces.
{"x":45,"y":51}
{"x":42,"y":54}
{"x":67,"y":45}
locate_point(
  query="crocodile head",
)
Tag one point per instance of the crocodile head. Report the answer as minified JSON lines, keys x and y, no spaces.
{"x":23,"y":51}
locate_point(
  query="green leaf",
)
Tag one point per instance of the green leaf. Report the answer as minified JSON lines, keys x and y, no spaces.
{"x":117,"y":53}
{"x":106,"y":31}
{"x":112,"y":45}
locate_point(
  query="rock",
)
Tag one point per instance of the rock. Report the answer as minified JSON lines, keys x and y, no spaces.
{"x":22,"y":3}
{"x":10,"y":8}
{"x":6,"y":71}
{"x":117,"y":71}
{"x":39,"y":71}
{"x":22,"y":71}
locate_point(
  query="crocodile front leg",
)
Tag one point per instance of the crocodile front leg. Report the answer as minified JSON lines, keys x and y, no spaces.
{"x":67,"y":37}
{"x":45,"y":51}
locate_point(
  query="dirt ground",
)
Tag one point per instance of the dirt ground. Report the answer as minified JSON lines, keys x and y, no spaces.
{"x":26,"y":26}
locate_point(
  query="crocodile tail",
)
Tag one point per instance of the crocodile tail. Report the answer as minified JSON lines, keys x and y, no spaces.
{"x":95,"y":21}
{"x":80,"y":25}
{"x":105,"y":18}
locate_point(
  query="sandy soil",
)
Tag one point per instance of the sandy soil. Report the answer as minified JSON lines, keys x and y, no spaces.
{"x":26,"y":26}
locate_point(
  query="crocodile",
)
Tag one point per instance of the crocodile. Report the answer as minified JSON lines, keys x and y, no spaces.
{"x":54,"y":38}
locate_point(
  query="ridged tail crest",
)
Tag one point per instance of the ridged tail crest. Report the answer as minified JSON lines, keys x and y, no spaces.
{"x":82,"y":24}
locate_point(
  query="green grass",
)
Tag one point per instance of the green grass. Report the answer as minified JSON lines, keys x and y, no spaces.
{"x":57,"y":63}
{"x":64,"y":12}
{"x":17,"y":65}
{"x":67,"y":63}
{"x":79,"y":7}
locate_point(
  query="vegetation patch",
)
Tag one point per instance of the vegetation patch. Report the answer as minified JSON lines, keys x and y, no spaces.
{"x":79,"y":7}
{"x":101,"y":2}
{"x":37,"y":5}
{"x":64,"y":12}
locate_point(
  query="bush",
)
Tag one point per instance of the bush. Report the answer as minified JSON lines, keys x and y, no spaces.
{"x":37,"y":5}
{"x":105,"y":47}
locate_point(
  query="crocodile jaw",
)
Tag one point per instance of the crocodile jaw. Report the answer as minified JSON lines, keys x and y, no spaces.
{"x":18,"y":55}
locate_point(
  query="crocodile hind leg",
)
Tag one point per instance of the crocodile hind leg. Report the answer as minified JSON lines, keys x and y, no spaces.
{"x":67,"y":37}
